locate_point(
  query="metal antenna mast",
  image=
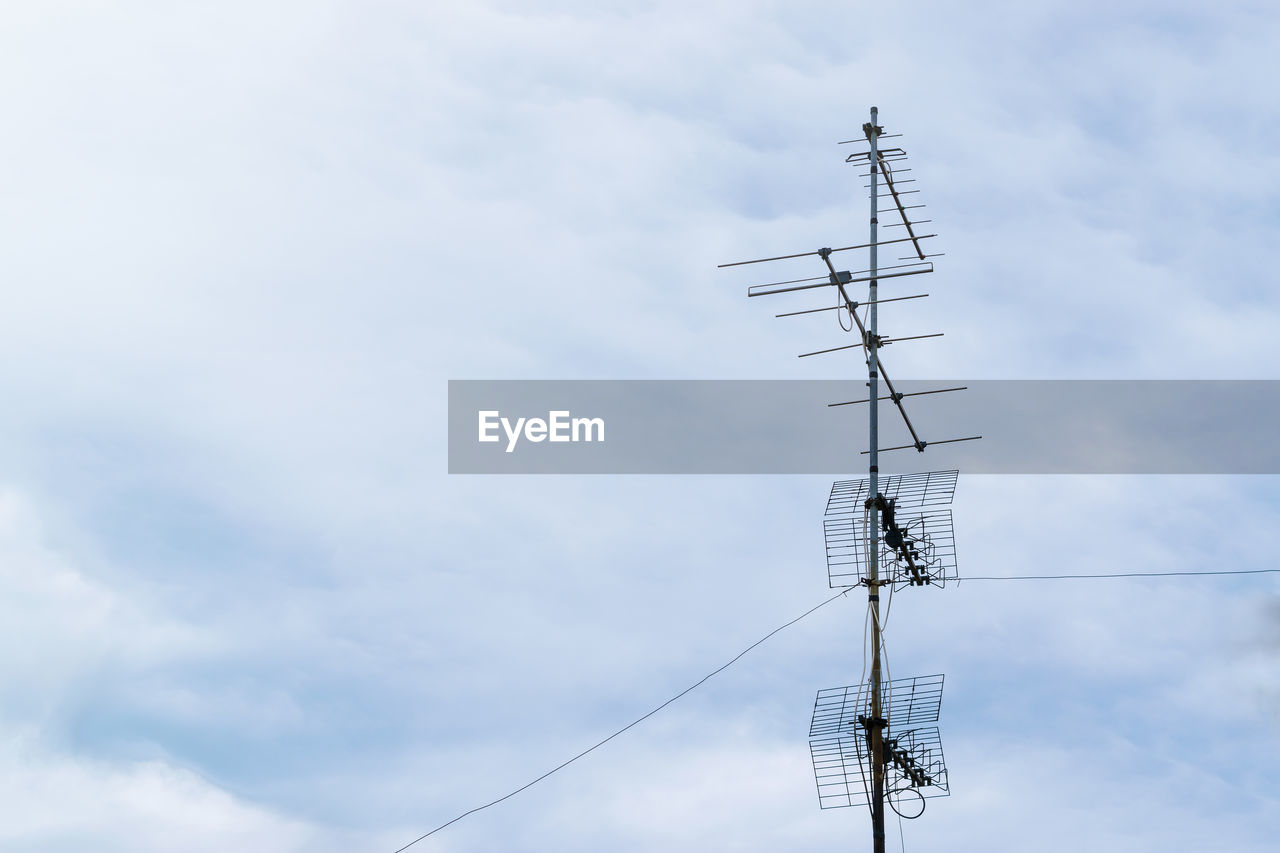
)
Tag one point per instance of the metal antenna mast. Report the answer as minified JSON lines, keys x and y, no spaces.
{"x":875,"y":726}
{"x":874,"y":735}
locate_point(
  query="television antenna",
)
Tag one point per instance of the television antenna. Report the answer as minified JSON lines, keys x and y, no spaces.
{"x":868,"y":742}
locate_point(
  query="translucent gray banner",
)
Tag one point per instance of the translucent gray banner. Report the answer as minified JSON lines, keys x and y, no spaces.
{"x":788,"y":427}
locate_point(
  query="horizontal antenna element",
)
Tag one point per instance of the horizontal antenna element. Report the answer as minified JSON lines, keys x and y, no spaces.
{"x":855,"y":305}
{"x":908,"y":394}
{"x":755,"y":291}
{"x":819,"y":252}
{"x":921,"y":445}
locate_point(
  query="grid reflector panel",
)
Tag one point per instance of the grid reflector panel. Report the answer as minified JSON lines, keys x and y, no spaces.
{"x":925,"y":557}
{"x":913,"y":759}
{"x":904,"y":702}
{"x":910,"y":491}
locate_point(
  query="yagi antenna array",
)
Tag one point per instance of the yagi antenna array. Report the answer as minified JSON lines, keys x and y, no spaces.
{"x":869,"y":743}
{"x":880,"y":164}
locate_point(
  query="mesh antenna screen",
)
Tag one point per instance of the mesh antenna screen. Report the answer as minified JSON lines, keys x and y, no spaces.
{"x":904,"y":702}
{"x":909,"y":491}
{"x":913,"y":759}
{"x":920,"y":547}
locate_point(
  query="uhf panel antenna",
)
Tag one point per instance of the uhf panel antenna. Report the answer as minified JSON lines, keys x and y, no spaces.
{"x":914,"y":770}
{"x":868,"y":742}
{"x":911,"y":753}
{"x":920,"y":545}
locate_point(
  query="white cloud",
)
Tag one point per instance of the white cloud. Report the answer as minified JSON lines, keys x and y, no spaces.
{"x":69,"y":639}
{"x":54,"y":801}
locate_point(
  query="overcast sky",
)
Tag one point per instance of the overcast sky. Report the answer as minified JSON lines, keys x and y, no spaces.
{"x":243,"y":606}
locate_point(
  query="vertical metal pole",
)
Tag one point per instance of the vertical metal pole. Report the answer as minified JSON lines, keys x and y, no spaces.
{"x":875,"y":732}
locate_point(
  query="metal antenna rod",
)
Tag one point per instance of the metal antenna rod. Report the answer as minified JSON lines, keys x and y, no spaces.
{"x":875,"y":731}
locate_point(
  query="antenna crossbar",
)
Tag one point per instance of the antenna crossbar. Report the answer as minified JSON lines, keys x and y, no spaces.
{"x":911,"y":262}
{"x":863,"y":139}
{"x":752,"y":291}
{"x":910,"y":338}
{"x":887,"y":153}
{"x":820,"y":251}
{"x":921,"y":445}
{"x":857,"y":304}
{"x":880,"y":342}
{"x":907,"y":394}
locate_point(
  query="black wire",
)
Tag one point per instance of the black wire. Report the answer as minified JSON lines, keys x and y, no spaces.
{"x":688,"y":689}
{"x":1119,"y":575}
{"x":842,"y":304}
